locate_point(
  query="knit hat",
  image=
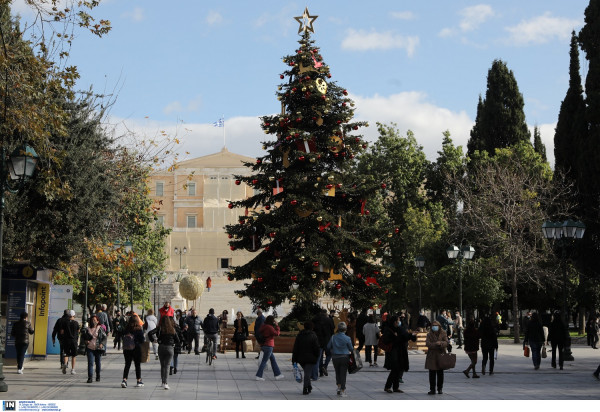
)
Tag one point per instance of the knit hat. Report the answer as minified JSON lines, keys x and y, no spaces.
{"x":342,"y":327}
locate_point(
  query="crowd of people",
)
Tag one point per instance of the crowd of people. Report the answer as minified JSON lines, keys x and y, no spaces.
{"x":324,"y":339}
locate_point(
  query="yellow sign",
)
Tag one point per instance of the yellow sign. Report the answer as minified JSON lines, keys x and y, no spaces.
{"x":334,"y":276}
{"x":27,"y":272}
{"x":41,"y":319}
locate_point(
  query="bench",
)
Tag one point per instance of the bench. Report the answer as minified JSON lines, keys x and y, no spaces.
{"x":419,"y":344}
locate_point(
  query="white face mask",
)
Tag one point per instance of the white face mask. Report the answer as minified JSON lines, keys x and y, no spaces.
{"x":435,"y":328}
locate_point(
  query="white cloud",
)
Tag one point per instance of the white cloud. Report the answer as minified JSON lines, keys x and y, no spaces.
{"x":541,"y":29}
{"x":178,"y":107}
{"x":137,"y":14}
{"x":403,"y":15}
{"x":547,"y":134}
{"x":475,"y":16}
{"x":213,"y":18}
{"x":472,"y":18}
{"x":361,"y":40}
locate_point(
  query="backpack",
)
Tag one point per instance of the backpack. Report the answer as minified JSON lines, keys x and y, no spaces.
{"x":128,"y":341}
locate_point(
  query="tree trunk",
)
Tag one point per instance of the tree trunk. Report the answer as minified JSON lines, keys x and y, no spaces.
{"x":582,"y":320}
{"x":515,"y":309}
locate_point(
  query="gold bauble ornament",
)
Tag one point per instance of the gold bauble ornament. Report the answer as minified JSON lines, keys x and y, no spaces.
{"x":293,"y":298}
{"x":190,"y":288}
{"x":312,"y":160}
{"x":302,"y":258}
{"x":273,"y":266}
{"x":320,"y":218}
{"x":314,"y":276}
{"x":331,"y":178}
{"x":271,"y":178}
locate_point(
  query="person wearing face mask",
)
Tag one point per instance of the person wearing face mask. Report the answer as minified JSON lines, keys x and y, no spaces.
{"x":396,"y":360}
{"x":437,"y":342}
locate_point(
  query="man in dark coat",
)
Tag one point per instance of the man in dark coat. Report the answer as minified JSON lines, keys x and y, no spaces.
{"x":396,"y":360}
{"x":324,"y":328}
{"x":306,"y":353}
{"x":361,"y":321}
{"x":194,"y":327}
{"x":20,"y":332}
{"x":558,"y":335}
{"x":57,"y":335}
{"x":260,"y":320}
{"x":70,"y":333}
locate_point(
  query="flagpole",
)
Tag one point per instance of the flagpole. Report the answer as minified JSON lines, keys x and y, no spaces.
{"x":223,"y":131}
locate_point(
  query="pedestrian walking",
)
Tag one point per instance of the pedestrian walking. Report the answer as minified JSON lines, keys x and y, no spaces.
{"x":70,"y":334}
{"x":371,"y":333}
{"x":489,"y":343}
{"x":437,"y":343}
{"x":351,"y":327}
{"x":268,"y":331}
{"x":260,"y":320}
{"x":133,"y":338}
{"x":324,"y":328}
{"x":240,"y":333}
{"x":95,"y":345}
{"x":178,"y":349}
{"x":208,"y":284}
{"x":21,"y":330}
{"x":458,"y":321}
{"x":306,"y":353}
{"x":194,"y":323}
{"x":535,"y":339}
{"x":56,"y":334}
{"x":118,"y":326}
{"x":471,"y":347}
{"x":167,"y":338}
{"x":396,"y":360}
{"x":151,"y":324}
{"x":210,"y":326}
{"x":340,"y":347}
{"x":558,"y":335}
{"x":361,"y":321}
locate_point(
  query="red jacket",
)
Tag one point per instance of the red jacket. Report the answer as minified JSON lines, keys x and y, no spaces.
{"x":167,"y":312}
{"x":269,"y":332}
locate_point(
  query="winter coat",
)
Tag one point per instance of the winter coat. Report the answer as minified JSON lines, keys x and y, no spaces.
{"x":306,"y":348}
{"x":557,"y":333}
{"x":471,"y":336}
{"x":21,"y":330}
{"x":164,"y":338}
{"x":210,"y":325}
{"x":269,"y":332}
{"x":99,"y":337}
{"x":257,"y":324}
{"x":370,"y":331}
{"x":436,"y":342}
{"x":194,"y":324}
{"x":241,"y":329}
{"x":324,"y":328}
{"x":340,"y":345}
{"x":60,"y":324}
{"x":397,"y":357}
{"x":535,"y":333}
{"x":489,"y":338}
{"x":361,"y":321}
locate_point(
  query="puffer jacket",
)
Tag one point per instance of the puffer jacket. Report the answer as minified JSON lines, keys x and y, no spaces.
{"x":306,"y":348}
{"x":21,"y":330}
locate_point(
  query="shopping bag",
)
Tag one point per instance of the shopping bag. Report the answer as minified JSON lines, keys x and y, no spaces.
{"x":526,"y":351}
{"x":145,"y":351}
{"x":447,"y":361}
{"x":297,"y":373}
{"x":354,"y":363}
{"x":544,"y":354}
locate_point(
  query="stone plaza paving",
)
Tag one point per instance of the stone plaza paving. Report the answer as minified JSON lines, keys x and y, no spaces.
{"x":234,"y":379}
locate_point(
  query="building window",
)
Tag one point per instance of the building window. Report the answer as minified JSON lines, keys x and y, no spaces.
{"x":191,"y":221}
{"x":160,"y":220}
{"x":224,"y":263}
{"x":191,"y":187}
{"x":160,"y":188}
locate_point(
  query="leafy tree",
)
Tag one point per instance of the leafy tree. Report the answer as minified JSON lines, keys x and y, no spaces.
{"x":500,"y":120}
{"x":309,"y":218}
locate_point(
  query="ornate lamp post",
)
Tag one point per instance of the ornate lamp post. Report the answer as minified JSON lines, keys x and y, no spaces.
{"x":419,"y":264}
{"x":465,"y":252}
{"x":180,"y":251}
{"x":564,"y":234}
{"x":15,"y":170}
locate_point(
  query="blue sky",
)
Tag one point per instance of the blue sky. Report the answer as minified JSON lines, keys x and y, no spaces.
{"x":179,"y":66}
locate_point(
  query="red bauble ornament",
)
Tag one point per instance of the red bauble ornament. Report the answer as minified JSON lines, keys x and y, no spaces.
{"x":339,"y":122}
{"x":397,"y":230}
{"x":315,"y":264}
{"x":232,"y":247}
{"x":284,"y":269}
{"x":367,"y":251}
{"x":376,"y":272}
{"x":269,"y":302}
{"x":294,"y":89}
{"x":268,"y":207}
{"x":329,"y":75}
{"x":298,"y":119}
{"x":367,"y":212}
{"x":241,"y":221}
{"x":288,"y":138}
{"x":345,"y":92}
{"x":238,"y":182}
{"x":344,"y":104}
{"x":254,"y":181}
{"x":383,"y":185}
{"x":329,"y":186}
{"x":385,"y":291}
{"x":359,"y":276}
{"x":338,"y":286}
{"x":302,"y":158}
{"x":267,"y":124}
{"x":294,"y":202}
{"x":356,"y":128}
{"x":258,"y":161}
{"x":260,"y":279}
{"x":267,"y":248}
{"x":281,"y":76}
{"x":230,"y":278}
{"x":230,"y":236}
{"x":230,"y":205}
{"x":294,"y":278}
{"x":272,"y":234}
{"x":339,"y":254}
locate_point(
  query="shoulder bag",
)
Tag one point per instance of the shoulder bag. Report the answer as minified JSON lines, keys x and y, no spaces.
{"x":447,"y":361}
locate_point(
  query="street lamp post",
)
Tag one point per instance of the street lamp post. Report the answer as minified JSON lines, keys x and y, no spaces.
{"x":180,"y":251}
{"x":564,"y":234}
{"x":419,"y":264}
{"x":18,"y":168}
{"x":128,"y":247}
{"x":465,"y":252}
{"x":154,"y":280}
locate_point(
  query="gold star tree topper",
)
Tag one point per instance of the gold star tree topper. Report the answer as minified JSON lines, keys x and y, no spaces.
{"x":306,"y":21}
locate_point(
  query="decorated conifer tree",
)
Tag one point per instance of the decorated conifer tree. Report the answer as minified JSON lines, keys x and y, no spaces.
{"x":308,"y":221}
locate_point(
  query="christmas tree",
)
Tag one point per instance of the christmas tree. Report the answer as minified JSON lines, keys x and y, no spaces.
{"x":308,"y":220}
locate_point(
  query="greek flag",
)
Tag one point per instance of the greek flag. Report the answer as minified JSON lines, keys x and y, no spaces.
{"x":219,"y":123}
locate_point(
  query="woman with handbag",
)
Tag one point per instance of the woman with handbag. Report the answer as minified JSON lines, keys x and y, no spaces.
{"x":133,"y":338}
{"x":268,"y":331}
{"x":471,"y":335}
{"x":534,"y":337}
{"x":372,"y":334}
{"x":241,"y":333}
{"x":166,"y":336}
{"x":95,"y":345}
{"x":306,"y":353}
{"x":437,"y":343}
{"x":340,"y":347}
{"x":396,"y":359}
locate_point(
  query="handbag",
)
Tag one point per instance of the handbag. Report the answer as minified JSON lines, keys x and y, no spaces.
{"x":297,"y":373}
{"x":145,"y":352}
{"x":526,"y":351}
{"x":386,"y":347}
{"x":354,"y":362}
{"x":544,"y":354}
{"x":447,"y":361}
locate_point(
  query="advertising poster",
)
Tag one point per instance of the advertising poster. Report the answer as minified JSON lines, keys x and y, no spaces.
{"x":16,"y":305}
{"x":61,"y":298}
{"x":41,"y":319}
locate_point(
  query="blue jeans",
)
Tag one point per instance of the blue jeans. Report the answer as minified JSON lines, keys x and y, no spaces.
{"x":536,"y":356}
{"x":267,"y":352}
{"x":94,"y":355}
{"x":320,"y":364}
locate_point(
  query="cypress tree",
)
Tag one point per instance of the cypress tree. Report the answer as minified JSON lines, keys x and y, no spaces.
{"x":501,"y":120}
{"x":538,"y":146}
{"x":476,"y":140}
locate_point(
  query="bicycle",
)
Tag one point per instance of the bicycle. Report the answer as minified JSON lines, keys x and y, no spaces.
{"x":210,"y":351}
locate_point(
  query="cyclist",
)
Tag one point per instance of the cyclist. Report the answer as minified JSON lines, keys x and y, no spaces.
{"x":210,"y":326}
